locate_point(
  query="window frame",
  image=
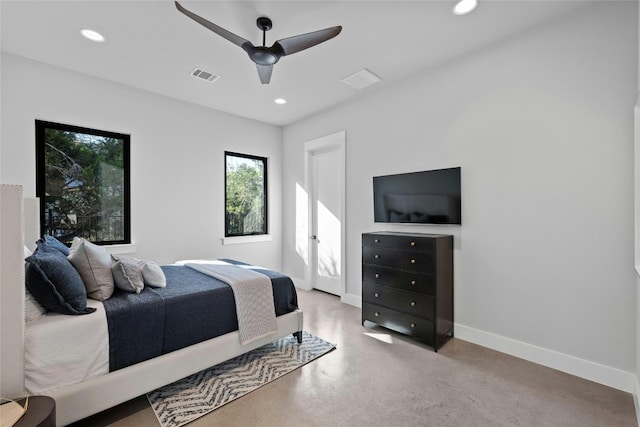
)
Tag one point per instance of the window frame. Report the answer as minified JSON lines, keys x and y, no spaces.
{"x":265,"y":175}
{"x":40,"y":128}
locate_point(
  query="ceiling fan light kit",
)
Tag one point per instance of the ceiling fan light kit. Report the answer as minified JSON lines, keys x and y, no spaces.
{"x":264,"y":57}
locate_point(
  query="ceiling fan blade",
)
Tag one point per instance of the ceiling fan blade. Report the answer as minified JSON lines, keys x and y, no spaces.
{"x":304,"y":41}
{"x":243,"y":43}
{"x":264,"y":71}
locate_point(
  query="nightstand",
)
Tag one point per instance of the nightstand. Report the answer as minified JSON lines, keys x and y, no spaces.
{"x":41,"y":412}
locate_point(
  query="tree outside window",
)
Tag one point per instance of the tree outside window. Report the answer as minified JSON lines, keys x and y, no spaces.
{"x":245,"y":194}
{"x":82,"y":179}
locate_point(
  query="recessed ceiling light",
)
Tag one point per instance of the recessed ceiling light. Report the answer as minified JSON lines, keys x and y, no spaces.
{"x":94,"y":36}
{"x":280,"y":101}
{"x":464,"y":6}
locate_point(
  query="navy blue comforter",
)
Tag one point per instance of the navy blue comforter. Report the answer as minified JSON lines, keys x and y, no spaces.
{"x":192,"y":308}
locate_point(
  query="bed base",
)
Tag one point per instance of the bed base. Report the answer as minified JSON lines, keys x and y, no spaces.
{"x":77,"y":401}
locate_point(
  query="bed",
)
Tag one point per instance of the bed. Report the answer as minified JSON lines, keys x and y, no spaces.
{"x":93,"y":381}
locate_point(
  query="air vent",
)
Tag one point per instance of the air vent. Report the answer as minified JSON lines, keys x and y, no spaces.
{"x":362,"y":79}
{"x":204,"y":75}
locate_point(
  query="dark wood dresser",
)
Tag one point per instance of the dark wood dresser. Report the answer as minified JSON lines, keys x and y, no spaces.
{"x":407,"y":284}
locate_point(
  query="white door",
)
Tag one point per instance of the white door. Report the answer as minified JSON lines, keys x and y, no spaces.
{"x":326,"y":185}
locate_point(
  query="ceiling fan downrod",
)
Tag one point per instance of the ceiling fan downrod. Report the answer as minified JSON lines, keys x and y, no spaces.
{"x":265,"y":25}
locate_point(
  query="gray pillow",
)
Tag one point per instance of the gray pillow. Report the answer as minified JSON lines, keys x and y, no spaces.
{"x":93,"y":262}
{"x":127,"y":274}
{"x":54,"y":283}
{"x":153,"y":275}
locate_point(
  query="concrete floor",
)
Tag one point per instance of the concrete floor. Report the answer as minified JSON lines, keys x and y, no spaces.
{"x":378,"y":378}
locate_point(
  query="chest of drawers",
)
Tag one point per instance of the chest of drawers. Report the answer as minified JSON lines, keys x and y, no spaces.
{"x":407,"y":284}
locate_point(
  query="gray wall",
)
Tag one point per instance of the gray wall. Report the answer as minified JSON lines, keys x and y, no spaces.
{"x":177,"y":156}
{"x":542,"y":126}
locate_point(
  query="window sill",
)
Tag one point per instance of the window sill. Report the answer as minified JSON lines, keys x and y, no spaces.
{"x":246,"y":239}
{"x":129,"y":248}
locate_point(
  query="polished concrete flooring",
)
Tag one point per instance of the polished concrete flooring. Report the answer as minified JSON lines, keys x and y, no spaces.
{"x":378,"y":378}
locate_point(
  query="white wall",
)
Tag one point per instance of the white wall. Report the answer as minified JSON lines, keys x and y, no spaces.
{"x":177,"y":156}
{"x":542,"y":126}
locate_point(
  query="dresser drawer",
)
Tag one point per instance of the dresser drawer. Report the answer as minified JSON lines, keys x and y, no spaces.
{"x":414,"y":243}
{"x":407,"y":280}
{"x":408,"y":260}
{"x":378,"y":255}
{"x":407,"y":302}
{"x":416,"y":261}
{"x":400,"y":322}
{"x":379,"y":240}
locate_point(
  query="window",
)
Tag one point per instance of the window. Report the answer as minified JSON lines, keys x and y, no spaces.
{"x":82,"y":179}
{"x":245,"y":194}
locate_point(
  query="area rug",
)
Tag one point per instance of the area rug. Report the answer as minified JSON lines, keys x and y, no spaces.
{"x":199,"y":394}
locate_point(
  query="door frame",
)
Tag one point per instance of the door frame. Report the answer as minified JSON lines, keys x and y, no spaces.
{"x":335,"y":141}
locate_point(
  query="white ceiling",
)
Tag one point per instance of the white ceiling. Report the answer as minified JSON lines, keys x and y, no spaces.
{"x":151,"y":46}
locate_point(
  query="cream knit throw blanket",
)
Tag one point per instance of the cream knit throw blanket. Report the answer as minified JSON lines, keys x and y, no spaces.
{"x":253,"y":293}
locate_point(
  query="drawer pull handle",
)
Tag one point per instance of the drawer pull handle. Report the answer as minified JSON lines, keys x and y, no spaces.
{"x":376,"y":295}
{"x":377,"y":276}
{"x":377,"y":241}
{"x":413,"y":304}
{"x":413,"y":243}
{"x":413,"y":282}
{"x":376,"y":256}
{"x":413,"y":325}
{"x":376,"y":314}
{"x":413,"y":261}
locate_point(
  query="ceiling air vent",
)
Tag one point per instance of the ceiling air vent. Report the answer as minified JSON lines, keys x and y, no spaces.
{"x":204,"y":75}
{"x":362,"y":79}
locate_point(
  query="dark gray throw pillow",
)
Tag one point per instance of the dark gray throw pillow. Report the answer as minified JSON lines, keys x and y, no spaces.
{"x":54,"y":282}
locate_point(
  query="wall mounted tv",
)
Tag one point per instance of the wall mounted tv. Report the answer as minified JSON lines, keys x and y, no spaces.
{"x":427,"y":197}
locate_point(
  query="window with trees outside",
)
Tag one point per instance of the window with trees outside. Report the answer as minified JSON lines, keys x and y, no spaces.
{"x":82,"y":180}
{"x":245,"y":195}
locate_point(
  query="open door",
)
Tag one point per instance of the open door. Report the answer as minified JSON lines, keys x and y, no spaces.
{"x":325,"y":172}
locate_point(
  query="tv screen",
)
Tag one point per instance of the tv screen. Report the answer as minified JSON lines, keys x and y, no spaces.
{"x":427,"y":197}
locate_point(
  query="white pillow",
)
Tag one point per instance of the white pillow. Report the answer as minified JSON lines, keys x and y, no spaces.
{"x":93,"y":262}
{"x":153,"y":275}
{"x":127,"y":274}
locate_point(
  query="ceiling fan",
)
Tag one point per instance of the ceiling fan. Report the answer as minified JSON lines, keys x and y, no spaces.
{"x":264,"y":56}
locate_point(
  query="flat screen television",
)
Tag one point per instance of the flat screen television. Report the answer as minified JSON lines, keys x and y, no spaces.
{"x":426,"y":197}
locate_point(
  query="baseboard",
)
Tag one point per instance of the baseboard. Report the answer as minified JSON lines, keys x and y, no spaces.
{"x":355,"y":300}
{"x":612,"y":377}
{"x":636,"y":402}
{"x":301,"y":284}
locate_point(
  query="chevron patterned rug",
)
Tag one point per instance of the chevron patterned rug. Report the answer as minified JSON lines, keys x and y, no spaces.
{"x":194,"y":396}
